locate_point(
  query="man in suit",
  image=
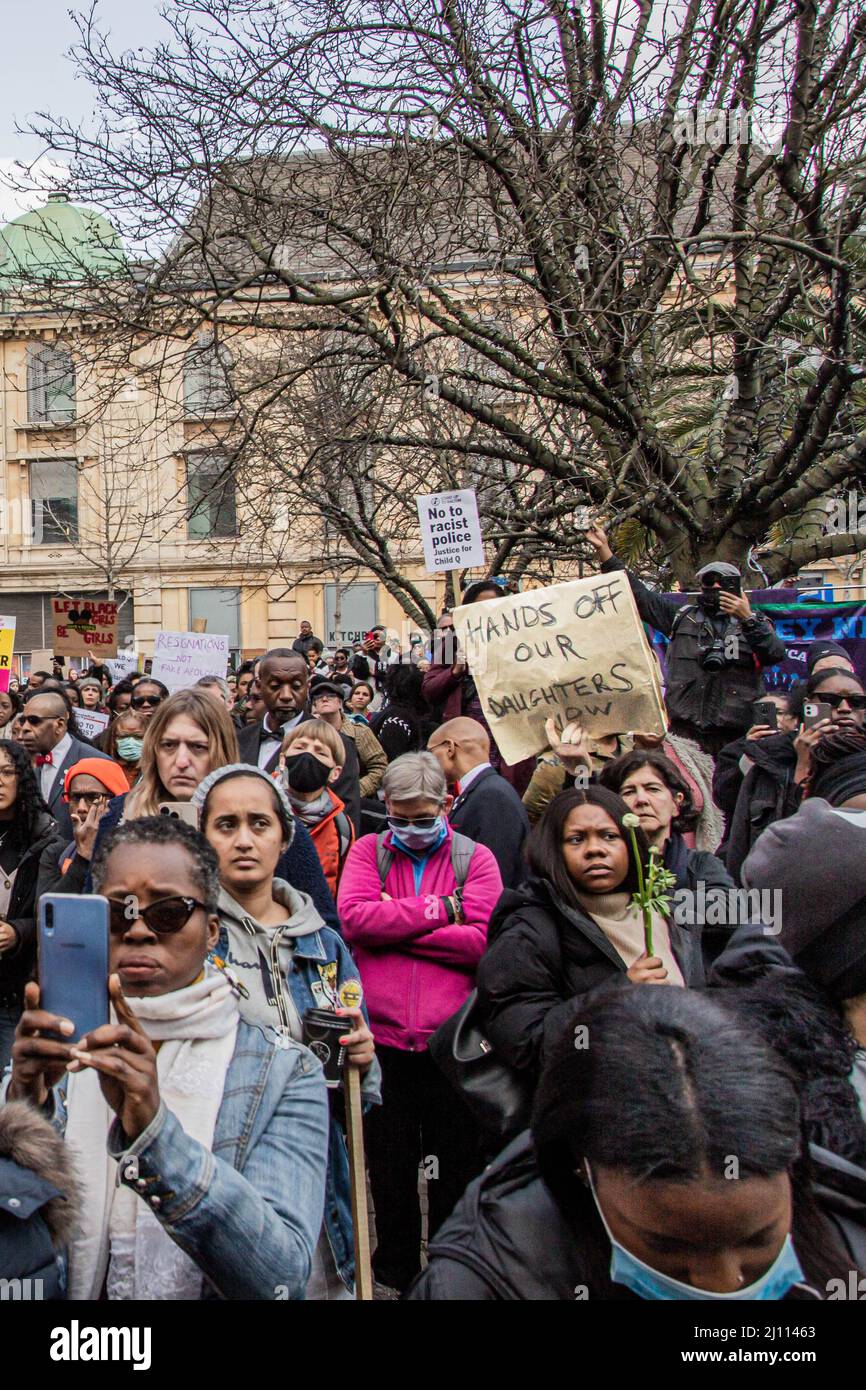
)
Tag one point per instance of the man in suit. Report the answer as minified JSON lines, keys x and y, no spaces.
{"x":284,"y":680}
{"x":45,"y":734}
{"x":486,"y":807}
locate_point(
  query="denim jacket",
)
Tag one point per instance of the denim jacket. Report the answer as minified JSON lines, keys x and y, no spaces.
{"x":321,"y":965}
{"x":249,"y":1211}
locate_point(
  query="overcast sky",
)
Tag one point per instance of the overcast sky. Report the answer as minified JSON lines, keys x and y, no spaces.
{"x":35,"y":73}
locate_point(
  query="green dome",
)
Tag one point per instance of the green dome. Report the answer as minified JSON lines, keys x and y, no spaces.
{"x":59,"y":242}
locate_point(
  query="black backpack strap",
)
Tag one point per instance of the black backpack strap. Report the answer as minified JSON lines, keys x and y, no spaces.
{"x":687,"y":608}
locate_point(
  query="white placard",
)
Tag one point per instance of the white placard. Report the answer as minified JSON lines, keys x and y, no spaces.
{"x":450,"y":530}
{"x":124,"y":664}
{"x":182,"y":658}
{"x":91,"y":722}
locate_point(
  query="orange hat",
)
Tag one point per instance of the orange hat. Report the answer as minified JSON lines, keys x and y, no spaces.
{"x":104,"y":770}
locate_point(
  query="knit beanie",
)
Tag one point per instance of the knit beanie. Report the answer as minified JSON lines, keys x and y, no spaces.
{"x":203,"y":790}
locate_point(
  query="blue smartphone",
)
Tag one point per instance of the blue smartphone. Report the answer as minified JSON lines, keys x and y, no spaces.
{"x":73,"y":959}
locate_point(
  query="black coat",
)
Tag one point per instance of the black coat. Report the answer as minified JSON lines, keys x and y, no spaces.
{"x":491,"y":813}
{"x":509,"y":1240}
{"x":765,"y":794}
{"x":541,"y":954}
{"x":708,"y":699}
{"x":348,"y":784}
{"x":695,"y":869}
{"x":17,"y":965}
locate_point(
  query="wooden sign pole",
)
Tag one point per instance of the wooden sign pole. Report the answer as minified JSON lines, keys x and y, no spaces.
{"x":358,"y":1184}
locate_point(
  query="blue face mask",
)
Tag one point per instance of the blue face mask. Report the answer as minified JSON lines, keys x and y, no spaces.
{"x":646,"y":1282}
{"x":416,"y":839}
{"x":129,"y":748}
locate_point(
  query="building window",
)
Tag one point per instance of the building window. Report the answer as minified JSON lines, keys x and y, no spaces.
{"x":206,"y":386}
{"x":221,"y":610}
{"x":210,"y":491}
{"x":50,"y":385}
{"x":54,"y":501}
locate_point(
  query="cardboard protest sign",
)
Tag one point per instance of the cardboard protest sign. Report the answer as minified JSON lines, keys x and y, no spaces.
{"x":7,"y":644}
{"x":574,"y":651}
{"x":84,"y":627}
{"x":91,"y":722}
{"x":182,"y":658}
{"x":450,"y":530}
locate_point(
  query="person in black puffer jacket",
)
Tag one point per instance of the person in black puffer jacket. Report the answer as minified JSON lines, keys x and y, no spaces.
{"x":628,"y":1161}
{"x":756,"y":782}
{"x":27,"y":834}
{"x":564,"y":932}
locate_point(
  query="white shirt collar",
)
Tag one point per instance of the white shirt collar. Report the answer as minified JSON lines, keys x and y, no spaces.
{"x":468,"y":777}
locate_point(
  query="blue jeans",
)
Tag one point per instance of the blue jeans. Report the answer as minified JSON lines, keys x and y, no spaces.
{"x":8,"y":1023}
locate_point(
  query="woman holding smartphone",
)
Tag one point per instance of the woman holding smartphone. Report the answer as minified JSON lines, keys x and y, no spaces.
{"x":201,"y":1148}
{"x":27,"y":835}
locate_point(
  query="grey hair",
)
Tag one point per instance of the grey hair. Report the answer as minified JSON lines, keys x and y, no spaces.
{"x":415,"y":774}
{"x":205,"y":681}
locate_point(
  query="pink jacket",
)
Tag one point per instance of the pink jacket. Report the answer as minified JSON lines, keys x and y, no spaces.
{"x":416,"y":967}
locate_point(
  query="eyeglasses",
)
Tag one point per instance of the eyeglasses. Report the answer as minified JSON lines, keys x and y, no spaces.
{"x":139,"y":701}
{"x":835,"y":700}
{"x":7,"y":774}
{"x":89,"y":798}
{"x":419,"y":822}
{"x":165,"y":916}
{"x":37,"y":719}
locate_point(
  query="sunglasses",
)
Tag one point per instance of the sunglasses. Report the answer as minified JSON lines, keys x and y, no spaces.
{"x":165,"y":916}
{"x":139,"y":701}
{"x":419,"y":822}
{"x":835,"y":700}
{"x":37,"y":719}
{"x":89,"y":798}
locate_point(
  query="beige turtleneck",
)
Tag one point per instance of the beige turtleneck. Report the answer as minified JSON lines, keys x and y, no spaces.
{"x":622,"y":924}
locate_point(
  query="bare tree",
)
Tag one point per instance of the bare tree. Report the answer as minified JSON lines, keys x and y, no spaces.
{"x":574,"y":254}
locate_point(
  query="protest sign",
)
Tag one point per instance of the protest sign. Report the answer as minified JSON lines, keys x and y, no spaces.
{"x":7,"y":644}
{"x":182,"y":658}
{"x":123,"y":664}
{"x":41,"y":660}
{"x":84,"y":627}
{"x":450,"y":530}
{"x":91,"y":722}
{"x":574,"y":651}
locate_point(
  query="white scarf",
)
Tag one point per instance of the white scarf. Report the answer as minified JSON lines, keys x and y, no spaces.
{"x":117,"y":1232}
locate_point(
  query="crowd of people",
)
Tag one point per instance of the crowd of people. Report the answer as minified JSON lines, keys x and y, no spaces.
{"x":336,"y":833}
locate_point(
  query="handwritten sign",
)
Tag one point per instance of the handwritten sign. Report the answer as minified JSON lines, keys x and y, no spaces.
{"x":91,"y":722}
{"x":574,"y":651}
{"x":84,"y":627}
{"x":450,"y":530}
{"x":124,"y":664}
{"x":182,"y":658}
{"x":7,"y":644}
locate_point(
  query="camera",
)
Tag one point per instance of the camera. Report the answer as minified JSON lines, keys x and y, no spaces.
{"x":712,"y":656}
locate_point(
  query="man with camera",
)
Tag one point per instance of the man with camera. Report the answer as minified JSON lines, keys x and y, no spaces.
{"x":716,"y":649}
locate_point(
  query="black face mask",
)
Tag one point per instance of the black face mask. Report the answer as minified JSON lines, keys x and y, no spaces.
{"x":305,"y":772}
{"x":709,"y":601}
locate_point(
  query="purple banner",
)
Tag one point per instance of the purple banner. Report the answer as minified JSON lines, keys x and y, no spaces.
{"x":800,"y":620}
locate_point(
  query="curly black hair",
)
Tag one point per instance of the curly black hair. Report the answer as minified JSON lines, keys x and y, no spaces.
{"x":29,"y":803}
{"x":164,"y":830}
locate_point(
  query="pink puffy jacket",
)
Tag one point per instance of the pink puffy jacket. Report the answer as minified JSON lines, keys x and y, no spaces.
{"x":416,"y":967}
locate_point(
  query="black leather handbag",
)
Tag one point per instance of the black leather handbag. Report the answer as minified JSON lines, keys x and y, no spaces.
{"x":499,"y":1096}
